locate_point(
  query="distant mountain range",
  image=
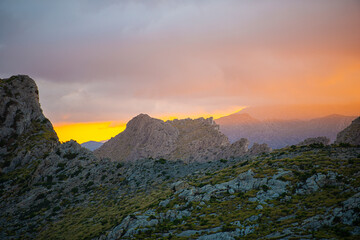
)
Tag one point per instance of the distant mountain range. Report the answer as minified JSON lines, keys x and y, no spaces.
{"x":92,"y":145}
{"x":281,"y":133}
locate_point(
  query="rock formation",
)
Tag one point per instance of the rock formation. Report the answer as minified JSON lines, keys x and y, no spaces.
{"x":189,"y":140}
{"x":317,"y":140}
{"x":25,"y":133}
{"x":351,"y":134}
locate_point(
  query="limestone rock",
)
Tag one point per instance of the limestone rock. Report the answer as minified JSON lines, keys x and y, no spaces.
{"x":238,"y":148}
{"x":189,"y":140}
{"x":25,"y":133}
{"x":351,"y":134}
{"x":143,"y":137}
{"x":259,"y":149}
{"x":146,"y":137}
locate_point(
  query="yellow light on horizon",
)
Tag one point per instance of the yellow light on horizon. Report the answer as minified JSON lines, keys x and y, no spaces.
{"x":100,"y":131}
{"x":91,"y":131}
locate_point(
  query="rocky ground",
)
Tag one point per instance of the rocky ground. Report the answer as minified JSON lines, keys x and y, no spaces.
{"x":50,"y":190}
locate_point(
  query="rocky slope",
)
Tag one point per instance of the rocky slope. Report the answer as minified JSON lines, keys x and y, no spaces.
{"x":351,"y":134}
{"x":197,"y":140}
{"x":302,"y":192}
{"x":281,"y":133}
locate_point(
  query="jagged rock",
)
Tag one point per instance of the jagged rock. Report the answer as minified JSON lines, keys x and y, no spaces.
{"x":317,"y":181}
{"x":351,"y":134}
{"x":259,"y":149}
{"x":317,"y":140}
{"x":347,"y":214}
{"x":238,"y":148}
{"x":145,"y":137}
{"x":25,"y":133}
{"x":197,"y":140}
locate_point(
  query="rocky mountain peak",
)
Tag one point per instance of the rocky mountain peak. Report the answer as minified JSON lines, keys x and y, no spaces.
{"x":22,"y":119}
{"x":190,"y":140}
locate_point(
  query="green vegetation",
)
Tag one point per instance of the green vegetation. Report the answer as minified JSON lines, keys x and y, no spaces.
{"x":92,"y":220}
{"x":161,"y":161}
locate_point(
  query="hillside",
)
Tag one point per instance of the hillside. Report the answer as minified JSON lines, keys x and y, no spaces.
{"x":281,"y":133}
{"x":63,"y":191}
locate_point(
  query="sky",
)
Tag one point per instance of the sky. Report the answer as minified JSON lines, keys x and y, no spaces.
{"x":99,"y":63}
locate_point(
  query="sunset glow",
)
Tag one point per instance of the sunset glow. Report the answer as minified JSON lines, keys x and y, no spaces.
{"x":100,"y":131}
{"x":83,"y":132}
{"x":97,"y":62}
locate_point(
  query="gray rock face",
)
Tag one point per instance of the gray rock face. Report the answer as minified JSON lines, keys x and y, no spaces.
{"x":259,"y":149}
{"x":25,"y":133}
{"x":316,"y":140}
{"x":189,"y":140}
{"x":351,"y":134}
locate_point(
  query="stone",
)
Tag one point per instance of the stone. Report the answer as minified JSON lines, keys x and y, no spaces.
{"x":351,"y":134}
{"x":257,"y":149}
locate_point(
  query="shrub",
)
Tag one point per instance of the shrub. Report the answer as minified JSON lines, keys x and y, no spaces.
{"x":61,"y":165}
{"x":40,"y":196}
{"x":57,"y":208}
{"x":344,"y":145}
{"x":265,"y":188}
{"x":49,"y":179}
{"x":74,"y":190}
{"x":317,"y":145}
{"x":70,"y":156}
{"x":228,"y":228}
{"x":161,"y":161}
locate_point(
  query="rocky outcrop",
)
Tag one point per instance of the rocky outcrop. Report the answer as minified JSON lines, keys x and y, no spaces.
{"x":197,"y":140}
{"x":25,"y":133}
{"x":351,"y":134}
{"x":259,"y":149}
{"x":317,"y":140}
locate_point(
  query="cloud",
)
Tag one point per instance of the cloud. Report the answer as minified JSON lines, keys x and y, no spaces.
{"x":111,"y":59}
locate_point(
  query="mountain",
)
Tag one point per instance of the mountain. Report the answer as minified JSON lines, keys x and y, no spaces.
{"x":281,"y":133}
{"x":187,"y":139}
{"x":92,"y":145}
{"x":351,"y":134}
{"x":50,"y":190}
{"x":22,"y":123}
